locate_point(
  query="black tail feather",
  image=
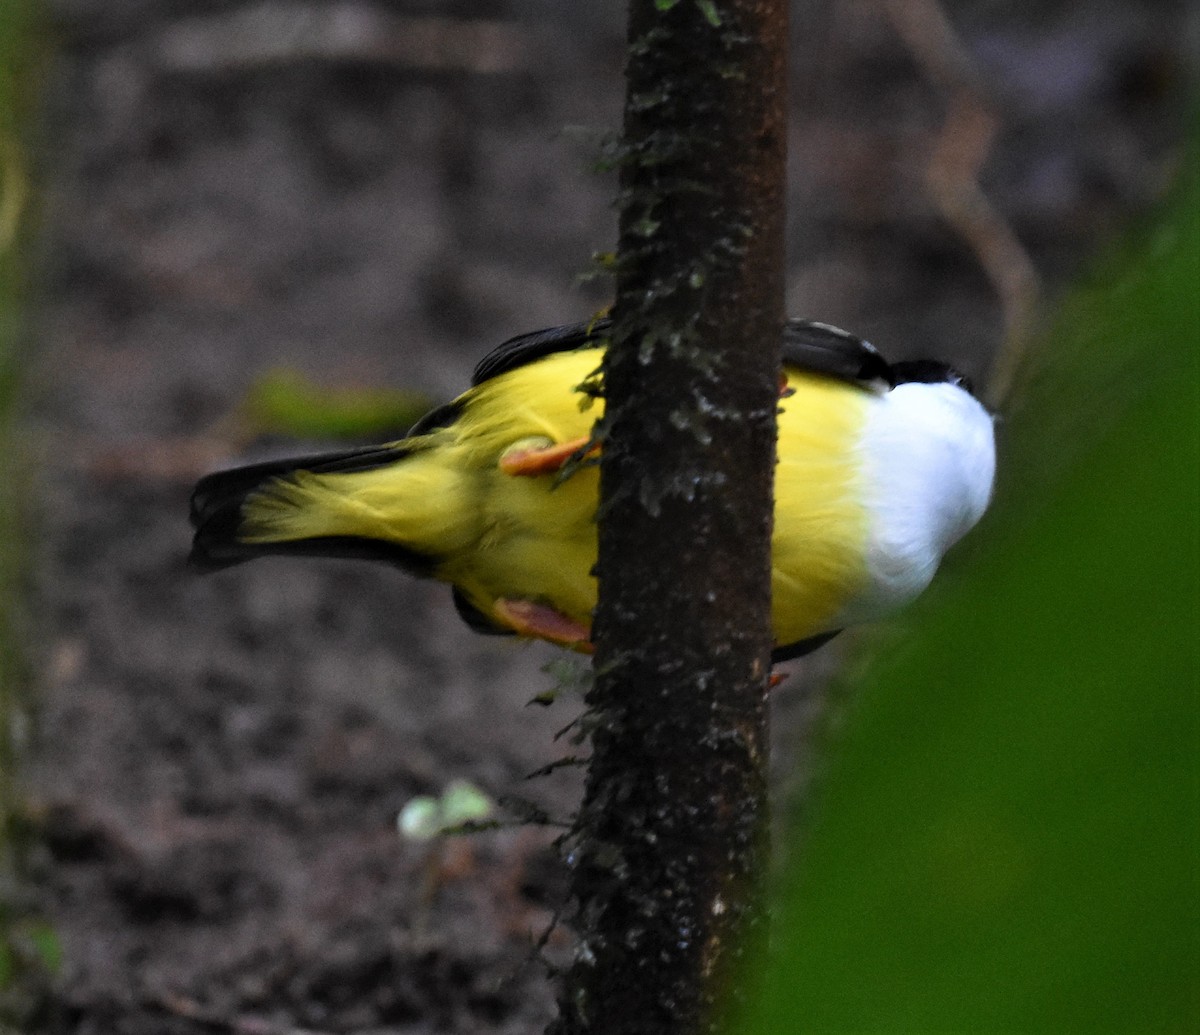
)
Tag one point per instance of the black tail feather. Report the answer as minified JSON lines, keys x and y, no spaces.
{"x":212,"y":551}
{"x":216,"y":512}
{"x":219,"y":489}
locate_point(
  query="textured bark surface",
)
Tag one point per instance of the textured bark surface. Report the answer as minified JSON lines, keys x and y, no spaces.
{"x":672,"y":833}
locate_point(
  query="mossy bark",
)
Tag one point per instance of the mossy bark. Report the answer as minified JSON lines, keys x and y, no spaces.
{"x":670,"y":845}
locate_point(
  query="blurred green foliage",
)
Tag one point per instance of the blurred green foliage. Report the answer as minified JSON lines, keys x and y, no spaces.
{"x":1007,"y":834}
{"x":15,"y":105}
{"x":27,"y":946}
{"x":284,"y":402}
{"x":460,"y":805}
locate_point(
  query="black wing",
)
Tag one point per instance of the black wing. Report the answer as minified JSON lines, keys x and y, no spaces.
{"x":807,"y":344}
{"x":825,"y":349}
{"x":821,"y":348}
{"x":791,"y":651}
{"x":476,"y":620}
{"x":526,"y":348}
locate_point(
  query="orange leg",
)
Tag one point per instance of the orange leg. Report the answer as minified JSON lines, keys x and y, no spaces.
{"x":529,"y":619}
{"x":530,"y":461}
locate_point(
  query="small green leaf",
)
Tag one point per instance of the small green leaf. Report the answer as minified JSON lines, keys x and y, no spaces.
{"x":47,"y":945}
{"x":709,"y":9}
{"x":664,"y":5}
{"x":425,"y":817}
{"x":420,"y":819}
{"x":570,"y":674}
{"x":463,"y":802}
{"x":646,"y":227}
{"x":285,"y":402}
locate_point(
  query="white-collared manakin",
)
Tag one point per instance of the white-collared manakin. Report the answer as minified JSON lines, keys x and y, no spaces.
{"x":881,"y":468}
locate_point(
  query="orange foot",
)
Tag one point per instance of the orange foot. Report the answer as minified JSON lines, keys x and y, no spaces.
{"x":526,"y":460}
{"x":529,"y":619}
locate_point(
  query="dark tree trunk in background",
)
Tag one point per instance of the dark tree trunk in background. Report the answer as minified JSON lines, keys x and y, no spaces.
{"x":671,"y":842}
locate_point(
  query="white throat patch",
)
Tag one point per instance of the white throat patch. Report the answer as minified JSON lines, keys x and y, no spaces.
{"x":928,"y":462}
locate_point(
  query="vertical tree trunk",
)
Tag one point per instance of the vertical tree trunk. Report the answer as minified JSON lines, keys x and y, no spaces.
{"x":672,"y":837}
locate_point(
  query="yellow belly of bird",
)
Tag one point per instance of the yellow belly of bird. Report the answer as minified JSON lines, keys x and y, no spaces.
{"x":537,"y":535}
{"x":818,"y":549}
{"x":497,"y":535}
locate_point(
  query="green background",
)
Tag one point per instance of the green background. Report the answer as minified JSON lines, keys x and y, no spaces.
{"x":1006,"y":834}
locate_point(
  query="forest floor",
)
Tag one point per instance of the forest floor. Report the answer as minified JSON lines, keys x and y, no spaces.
{"x":217,"y":762}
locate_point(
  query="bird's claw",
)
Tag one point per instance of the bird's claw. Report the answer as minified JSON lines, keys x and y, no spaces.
{"x":525,"y":459}
{"x":527,"y":618}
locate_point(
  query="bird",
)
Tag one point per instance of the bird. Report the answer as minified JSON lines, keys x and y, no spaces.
{"x":880,"y":468}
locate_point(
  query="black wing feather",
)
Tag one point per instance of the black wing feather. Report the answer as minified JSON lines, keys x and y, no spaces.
{"x":821,"y":348}
{"x":216,"y":512}
{"x":476,"y":620}
{"x":439,"y":417}
{"x":807,"y":344}
{"x":791,"y":651}
{"x":930,"y":372}
{"x":527,"y":348}
{"x":215,"y":546}
{"x":216,"y":490}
